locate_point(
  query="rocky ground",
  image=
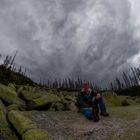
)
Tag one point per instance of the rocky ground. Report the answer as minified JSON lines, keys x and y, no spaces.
{"x":34,"y":113}
{"x":123,"y":124}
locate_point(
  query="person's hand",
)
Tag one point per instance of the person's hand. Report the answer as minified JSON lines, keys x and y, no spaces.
{"x":98,"y":96}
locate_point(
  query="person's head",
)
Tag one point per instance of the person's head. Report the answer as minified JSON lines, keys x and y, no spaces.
{"x":86,"y":85}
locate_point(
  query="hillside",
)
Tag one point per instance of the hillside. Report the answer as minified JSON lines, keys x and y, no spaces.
{"x":8,"y":76}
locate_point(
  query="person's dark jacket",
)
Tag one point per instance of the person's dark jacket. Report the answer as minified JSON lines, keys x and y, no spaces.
{"x":85,"y":98}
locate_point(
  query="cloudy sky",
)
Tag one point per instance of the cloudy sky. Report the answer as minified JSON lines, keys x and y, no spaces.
{"x":93,"y":39}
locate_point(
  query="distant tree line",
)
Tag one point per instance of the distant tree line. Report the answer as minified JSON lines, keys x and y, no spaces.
{"x":128,"y":84}
{"x":70,"y":84}
{"x":127,"y":80}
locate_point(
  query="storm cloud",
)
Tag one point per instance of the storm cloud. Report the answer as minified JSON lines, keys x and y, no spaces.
{"x":92,"y":39}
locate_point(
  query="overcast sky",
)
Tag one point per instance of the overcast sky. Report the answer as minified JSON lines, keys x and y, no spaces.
{"x":93,"y":39}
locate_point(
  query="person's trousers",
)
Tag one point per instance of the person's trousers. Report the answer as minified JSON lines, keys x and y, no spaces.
{"x":88,"y":111}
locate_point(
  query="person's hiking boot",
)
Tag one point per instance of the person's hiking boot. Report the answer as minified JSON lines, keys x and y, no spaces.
{"x":105,"y":114}
{"x":95,"y":113}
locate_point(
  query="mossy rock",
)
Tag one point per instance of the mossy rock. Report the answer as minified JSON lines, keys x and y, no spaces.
{"x":29,"y":96}
{"x":70,"y":98}
{"x":67,"y":99}
{"x":125,"y":103}
{"x":130,"y":100}
{"x":13,"y":107}
{"x":59,"y":106}
{"x":137,"y":100}
{"x":36,"y":134}
{"x":20,"y":122}
{"x":111,"y":99}
{"x":69,"y":102}
{"x":9,"y":96}
{"x":12,"y":86}
{"x":19,"y":90}
{"x":44,"y":102}
{"x":6,"y":132}
{"x":71,"y":107}
{"x":4,"y":88}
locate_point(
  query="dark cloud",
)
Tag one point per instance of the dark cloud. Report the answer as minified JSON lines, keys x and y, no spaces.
{"x":93,"y":39}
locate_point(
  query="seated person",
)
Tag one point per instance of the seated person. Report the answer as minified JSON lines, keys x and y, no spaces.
{"x":88,"y":101}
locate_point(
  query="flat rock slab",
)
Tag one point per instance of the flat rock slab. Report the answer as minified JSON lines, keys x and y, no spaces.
{"x":123,"y":123}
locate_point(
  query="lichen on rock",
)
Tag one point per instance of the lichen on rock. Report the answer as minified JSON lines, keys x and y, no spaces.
{"x":44,"y":101}
{"x":9,"y":96}
{"x":13,"y":107}
{"x":29,"y":95}
{"x":6,"y":132}
{"x":12,"y":86}
{"x":20,"y":122}
{"x":59,"y":106}
{"x":36,"y":134}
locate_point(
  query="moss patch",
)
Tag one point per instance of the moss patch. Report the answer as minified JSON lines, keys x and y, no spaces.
{"x":45,"y":100}
{"x":5,"y":130}
{"x":12,"y":86}
{"x":20,"y":122}
{"x":13,"y":107}
{"x":70,"y":98}
{"x":9,"y":96}
{"x":36,"y":134}
{"x":29,"y":96}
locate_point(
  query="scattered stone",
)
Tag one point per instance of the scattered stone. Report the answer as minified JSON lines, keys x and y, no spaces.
{"x":125,"y":103}
{"x":59,"y":106}
{"x":71,"y":107}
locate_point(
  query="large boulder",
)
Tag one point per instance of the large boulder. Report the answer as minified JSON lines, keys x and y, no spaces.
{"x":20,"y":122}
{"x":44,"y":102}
{"x":26,"y":127}
{"x":9,"y":96}
{"x":30,"y":95}
{"x":6,"y":132}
